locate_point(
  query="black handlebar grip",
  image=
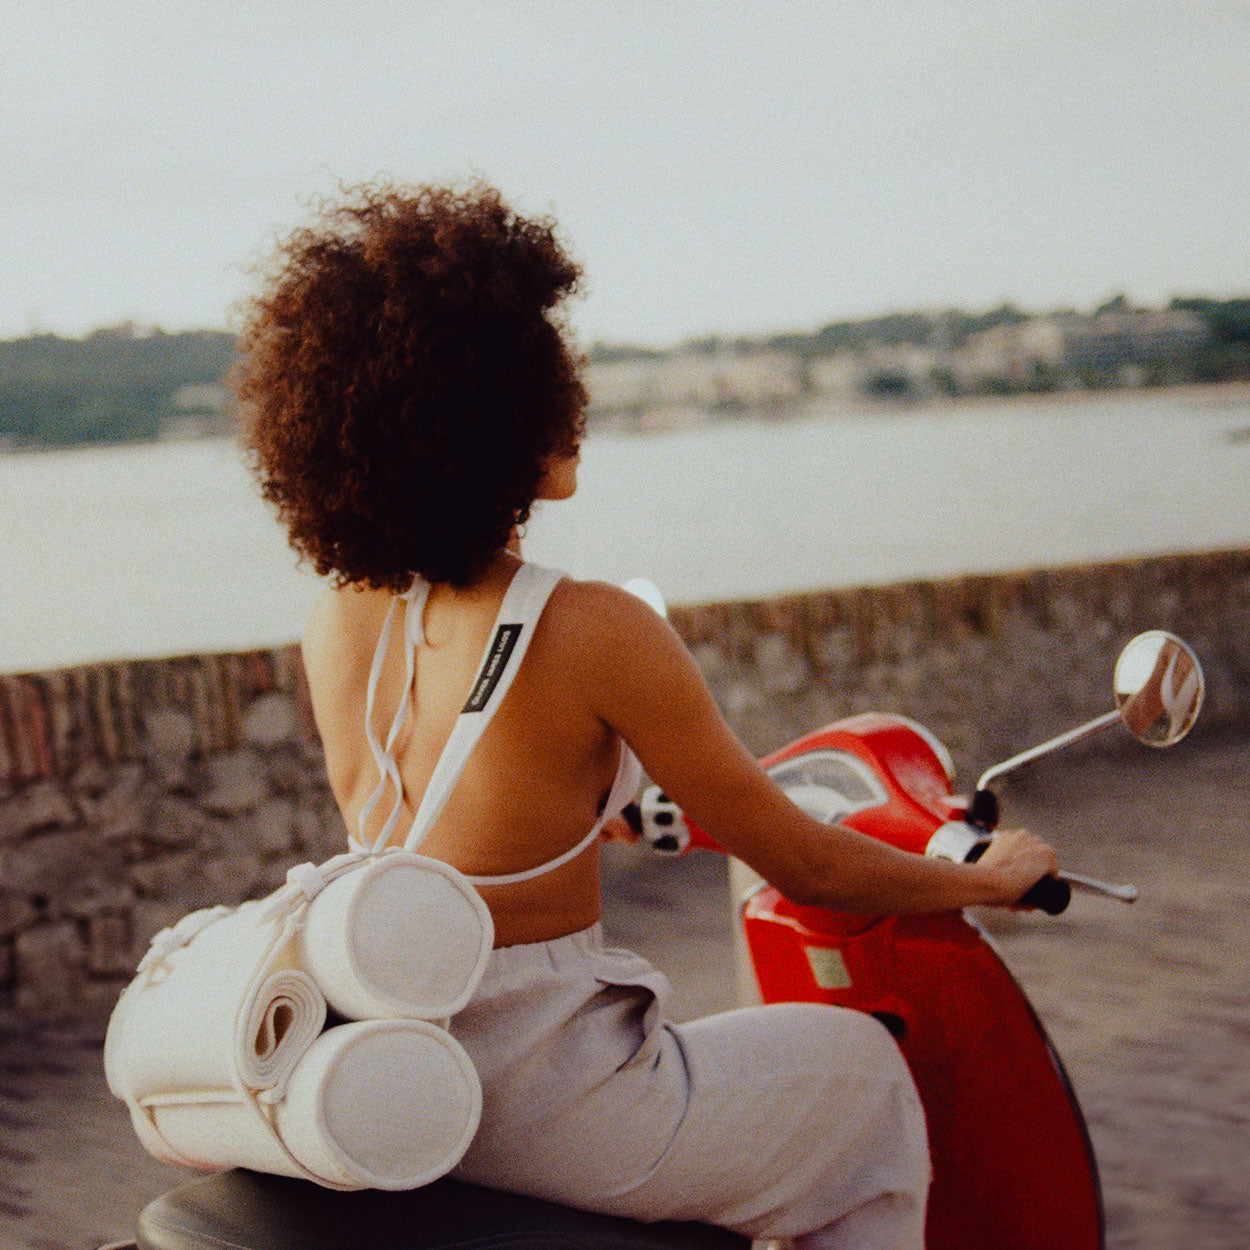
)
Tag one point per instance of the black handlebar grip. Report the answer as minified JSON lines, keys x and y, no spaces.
{"x":1050,"y":894}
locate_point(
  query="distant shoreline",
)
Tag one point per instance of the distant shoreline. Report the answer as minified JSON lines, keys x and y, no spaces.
{"x":667,"y":419}
{"x":672,"y":418}
{"x":1179,"y":390}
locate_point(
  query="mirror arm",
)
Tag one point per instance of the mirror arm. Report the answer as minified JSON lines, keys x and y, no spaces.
{"x":1051,"y":744}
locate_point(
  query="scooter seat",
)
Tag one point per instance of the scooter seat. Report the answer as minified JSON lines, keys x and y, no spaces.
{"x":241,"y":1210}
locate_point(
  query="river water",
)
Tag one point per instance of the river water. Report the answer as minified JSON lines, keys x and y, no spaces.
{"x":166,"y":549}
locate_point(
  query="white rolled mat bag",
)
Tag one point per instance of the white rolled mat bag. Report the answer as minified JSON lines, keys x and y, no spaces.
{"x":219,"y":1046}
{"x":220,"y":1051}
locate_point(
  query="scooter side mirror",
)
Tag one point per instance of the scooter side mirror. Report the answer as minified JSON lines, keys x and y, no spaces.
{"x":1159,"y":688}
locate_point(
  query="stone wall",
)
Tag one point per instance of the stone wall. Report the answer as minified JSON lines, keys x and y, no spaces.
{"x":131,"y":793}
{"x":991,"y":664}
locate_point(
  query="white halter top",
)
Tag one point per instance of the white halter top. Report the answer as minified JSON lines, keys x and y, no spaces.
{"x":522,"y":605}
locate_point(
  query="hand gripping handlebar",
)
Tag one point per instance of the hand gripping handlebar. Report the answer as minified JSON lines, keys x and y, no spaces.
{"x":1051,"y":894}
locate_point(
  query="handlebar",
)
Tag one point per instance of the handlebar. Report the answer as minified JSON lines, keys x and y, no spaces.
{"x":1051,"y":894}
{"x":662,"y":826}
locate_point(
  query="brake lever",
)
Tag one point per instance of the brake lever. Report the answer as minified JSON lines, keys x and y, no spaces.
{"x":1124,"y":893}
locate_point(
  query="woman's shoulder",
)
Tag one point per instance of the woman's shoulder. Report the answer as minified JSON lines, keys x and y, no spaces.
{"x":341,"y":622}
{"x":599,"y":621}
{"x":574,"y":595}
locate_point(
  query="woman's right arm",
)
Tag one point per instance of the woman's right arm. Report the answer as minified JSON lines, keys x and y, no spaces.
{"x":639,"y":678}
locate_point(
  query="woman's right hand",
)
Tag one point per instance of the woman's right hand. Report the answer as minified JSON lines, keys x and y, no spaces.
{"x":1018,"y":859}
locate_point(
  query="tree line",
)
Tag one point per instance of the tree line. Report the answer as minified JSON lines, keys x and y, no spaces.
{"x":121,"y":384}
{"x":116,"y":385}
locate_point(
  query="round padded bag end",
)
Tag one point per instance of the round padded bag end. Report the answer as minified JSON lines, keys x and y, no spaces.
{"x":404,"y":937}
{"x":381,"y":1104}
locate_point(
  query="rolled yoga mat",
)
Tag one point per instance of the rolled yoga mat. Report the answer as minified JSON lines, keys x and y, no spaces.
{"x":205,"y":1015}
{"x":217,"y":1047}
{"x":375,"y":1104}
{"x":405,"y":937}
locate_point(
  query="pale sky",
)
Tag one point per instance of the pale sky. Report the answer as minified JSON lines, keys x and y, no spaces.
{"x":734,"y":166}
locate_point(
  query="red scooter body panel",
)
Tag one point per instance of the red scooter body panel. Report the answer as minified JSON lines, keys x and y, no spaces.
{"x":917,"y":798}
{"x":1012,"y":1163}
{"x":1013,"y":1166}
{"x":917,"y":787}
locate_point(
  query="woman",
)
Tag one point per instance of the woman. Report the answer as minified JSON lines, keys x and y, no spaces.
{"x":408,"y":392}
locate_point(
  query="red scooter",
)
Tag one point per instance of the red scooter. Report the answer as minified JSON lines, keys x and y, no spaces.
{"x":1013,"y":1164}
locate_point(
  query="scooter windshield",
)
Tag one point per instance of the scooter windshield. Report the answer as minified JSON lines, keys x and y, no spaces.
{"x":828,"y":785}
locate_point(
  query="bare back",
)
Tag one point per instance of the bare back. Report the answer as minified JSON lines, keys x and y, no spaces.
{"x":601,"y":667}
{"x":536,"y":781}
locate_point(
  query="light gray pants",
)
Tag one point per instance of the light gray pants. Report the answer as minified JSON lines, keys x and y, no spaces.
{"x":793,"y":1120}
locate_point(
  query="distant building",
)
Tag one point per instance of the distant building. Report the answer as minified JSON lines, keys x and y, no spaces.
{"x":690,"y":379}
{"x":1121,"y":347}
{"x":1005,"y":353}
{"x":1067,"y":347}
{"x":1113,"y":340}
{"x":617,"y":386}
{"x":198,"y":410}
{"x":841,"y":374}
{"x":910,"y":366}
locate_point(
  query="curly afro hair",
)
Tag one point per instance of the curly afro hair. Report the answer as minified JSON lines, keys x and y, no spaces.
{"x":404,"y":381}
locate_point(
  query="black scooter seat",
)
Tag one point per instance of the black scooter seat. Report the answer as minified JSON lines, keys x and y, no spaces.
{"x":241,"y":1210}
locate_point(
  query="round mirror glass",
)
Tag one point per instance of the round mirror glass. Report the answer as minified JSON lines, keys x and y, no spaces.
{"x":1158,"y":688}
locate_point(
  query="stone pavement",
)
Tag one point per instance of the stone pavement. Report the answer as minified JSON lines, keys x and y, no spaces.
{"x":1147,"y":1004}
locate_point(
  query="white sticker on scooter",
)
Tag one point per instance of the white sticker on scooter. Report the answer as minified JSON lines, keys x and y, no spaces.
{"x":828,"y":967}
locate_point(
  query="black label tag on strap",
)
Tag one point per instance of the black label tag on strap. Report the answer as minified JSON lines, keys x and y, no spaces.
{"x":493,"y":667}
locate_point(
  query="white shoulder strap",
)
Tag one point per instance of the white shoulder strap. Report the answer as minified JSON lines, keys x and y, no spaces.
{"x":522,"y":605}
